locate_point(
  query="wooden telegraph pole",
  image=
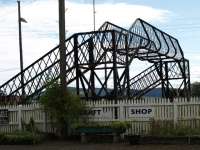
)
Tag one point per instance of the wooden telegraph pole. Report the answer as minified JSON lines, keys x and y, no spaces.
{"x":62,"y":44}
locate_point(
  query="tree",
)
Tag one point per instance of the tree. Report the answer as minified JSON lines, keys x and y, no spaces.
{"x":64,"y":109}
{"x":195,"y":89}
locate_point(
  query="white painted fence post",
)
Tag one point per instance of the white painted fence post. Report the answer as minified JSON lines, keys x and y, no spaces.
{"x":44,"y":121}
{"x":19,"y":117}
{"x":175,"y":107}
{"x":121,"y":113}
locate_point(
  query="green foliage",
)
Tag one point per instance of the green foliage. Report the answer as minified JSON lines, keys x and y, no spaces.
{"x":30,"y":126}
{"x":167,"y":129}
{"x":20,"y":138}
{"x":195,"y":89}
{"x":64,"y":109}
{"x":120,"y":125}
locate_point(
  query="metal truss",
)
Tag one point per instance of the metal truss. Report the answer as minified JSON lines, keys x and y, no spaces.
{"x":97,"y":65}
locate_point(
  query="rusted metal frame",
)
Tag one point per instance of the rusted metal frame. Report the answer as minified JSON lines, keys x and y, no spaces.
{"x":167,"y":90}
{"x":32,"y":79}
{"x":114,"y":56}
{"x":160,"y":72}
{"x":168,"y":49}
{"x":144,"y":72}
{"x":93,"y":92}
{"x":104,"y":85}
{"x":30,"y":66}
{"x":129,"y":32}
{"x":170,"y":37}
{"x":144,"y":88}
{"x":148,"y":89}
{"x":146,"y":34}
{"x":76,"y":60}
{"x":39,"y":90}
{"x":160,"y":45}
{"x":188,"y":83}
{"x":126,"y":71}
{"x":119,"y":67}
{"x":28,"y":79}
{"x":184,"y":80}
{"x":181,"y":51}
{"x":83,"y":85}
{"x":91,"y":66}
{"x":157,"y":29}
{"x":173,"y":47}
{"x":83,"y":54}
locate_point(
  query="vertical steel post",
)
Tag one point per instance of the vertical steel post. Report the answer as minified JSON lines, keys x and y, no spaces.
{"x":186,"y":77}
{"x":62,"y":44}
{"x":105,"y":72}
{"x":21,"y":52}
{"x":167,"y":91}
{"x":127,"y":67}
{"x":76,"y":63}
{"x":162,"y":79}
{"x":115,"y":91}
{"x":91,"y":64}
{"x":114,"y":64}
{"x":188,"y":84}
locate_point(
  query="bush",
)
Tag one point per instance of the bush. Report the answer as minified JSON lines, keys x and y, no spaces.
{"x":166,"y":128}
{"x":30,"y":126}
{"x":63,"y":108}
{"x":20,"y":138}
{"x":120,"y":125}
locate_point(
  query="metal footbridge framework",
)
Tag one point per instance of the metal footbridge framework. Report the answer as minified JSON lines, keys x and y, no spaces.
{"x":98,"y":64}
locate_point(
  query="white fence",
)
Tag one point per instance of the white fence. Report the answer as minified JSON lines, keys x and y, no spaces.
{"x":139,"y":112}
{"x":17,"y":114}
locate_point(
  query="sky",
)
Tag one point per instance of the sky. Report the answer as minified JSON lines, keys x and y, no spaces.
{"x":179,"y":18}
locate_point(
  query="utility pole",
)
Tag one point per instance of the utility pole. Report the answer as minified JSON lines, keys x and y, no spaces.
{"x":94,"y":15}
{"x":20,"y":49}
{"x":62,"y":44}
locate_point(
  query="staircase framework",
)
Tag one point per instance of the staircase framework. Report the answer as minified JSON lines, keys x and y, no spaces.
{"x":98,"y":65}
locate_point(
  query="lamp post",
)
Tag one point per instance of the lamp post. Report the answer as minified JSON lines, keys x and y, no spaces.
{"x":20,"y":48}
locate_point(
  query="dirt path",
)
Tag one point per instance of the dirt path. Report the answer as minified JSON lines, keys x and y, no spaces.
{"x":78,"y":146}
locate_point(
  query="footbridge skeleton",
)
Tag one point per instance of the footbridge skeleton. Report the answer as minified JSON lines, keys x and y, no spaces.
{"x":98,"y":65}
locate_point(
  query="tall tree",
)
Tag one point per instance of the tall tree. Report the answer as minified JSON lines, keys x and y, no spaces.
{"x":195,"y":89}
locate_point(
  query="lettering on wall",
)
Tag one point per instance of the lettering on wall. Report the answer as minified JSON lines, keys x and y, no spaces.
{"x":145,"y":112}
{"x":100,"y":113}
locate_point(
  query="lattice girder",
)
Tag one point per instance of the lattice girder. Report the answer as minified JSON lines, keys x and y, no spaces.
{"x":101,"y":59}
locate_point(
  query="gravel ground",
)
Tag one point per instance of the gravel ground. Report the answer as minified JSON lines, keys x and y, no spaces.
{"x":78,"y":146}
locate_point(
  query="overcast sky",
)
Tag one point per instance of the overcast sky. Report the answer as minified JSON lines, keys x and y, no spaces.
{"x":180,"y":18}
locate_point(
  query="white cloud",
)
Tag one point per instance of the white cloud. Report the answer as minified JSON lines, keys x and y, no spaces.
{"x":40,"y":34}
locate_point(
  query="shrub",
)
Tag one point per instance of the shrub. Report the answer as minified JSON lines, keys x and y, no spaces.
{"x":63,"y":108}
{"x":166,"y":128}
{"x":20,"y":138}
{"x":30,"y":126}
{"x":120,"y":125}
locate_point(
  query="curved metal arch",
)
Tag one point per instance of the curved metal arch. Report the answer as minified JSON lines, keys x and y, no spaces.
{"x":144,"y":29}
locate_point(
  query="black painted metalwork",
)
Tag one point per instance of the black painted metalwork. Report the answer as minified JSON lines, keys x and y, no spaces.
{"x":98,"y":65}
